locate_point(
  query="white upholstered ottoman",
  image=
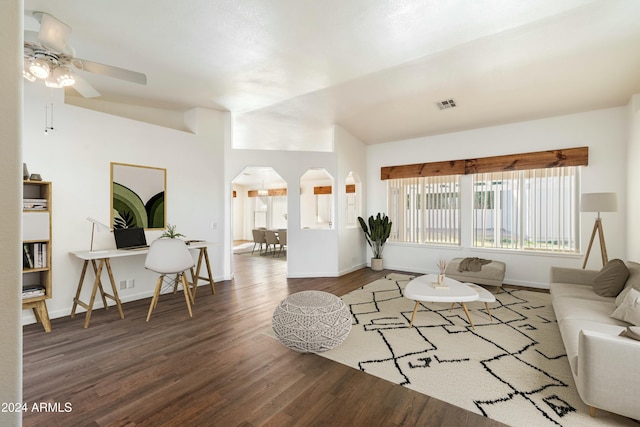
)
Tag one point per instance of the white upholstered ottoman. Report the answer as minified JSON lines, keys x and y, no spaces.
{"x":311,"y":321}
{"x":491,"y":274}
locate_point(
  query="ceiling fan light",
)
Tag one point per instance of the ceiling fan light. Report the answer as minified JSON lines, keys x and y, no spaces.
{"x":26,"y":73}
{"x":39,"y":68}
{"x":64,"y":76}
{"x":52,"y":82}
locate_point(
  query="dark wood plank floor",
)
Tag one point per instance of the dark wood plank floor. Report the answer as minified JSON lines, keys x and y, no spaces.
{"x":217,"y":369}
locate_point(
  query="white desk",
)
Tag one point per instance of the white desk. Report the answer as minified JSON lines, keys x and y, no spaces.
{"x":100,"y":258}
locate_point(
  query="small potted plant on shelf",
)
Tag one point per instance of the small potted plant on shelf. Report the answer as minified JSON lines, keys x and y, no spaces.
{"x":171,"y":233}
{"x":376,"y":232}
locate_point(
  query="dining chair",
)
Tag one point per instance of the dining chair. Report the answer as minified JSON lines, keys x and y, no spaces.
{"x":282,"y":238}
{"x":272,"y":239}
{"x":169,"y":257}
{"x":258,"y":238}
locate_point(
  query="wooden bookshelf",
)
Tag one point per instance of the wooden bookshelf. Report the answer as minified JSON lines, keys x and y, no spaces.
{"x":36,"y":249}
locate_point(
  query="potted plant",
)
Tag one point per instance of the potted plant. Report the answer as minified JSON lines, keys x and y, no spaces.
{"x":171,"y":233}
{"x":377,"y":232}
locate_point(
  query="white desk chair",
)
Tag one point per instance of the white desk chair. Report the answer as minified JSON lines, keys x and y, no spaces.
{"x":169,"y":256}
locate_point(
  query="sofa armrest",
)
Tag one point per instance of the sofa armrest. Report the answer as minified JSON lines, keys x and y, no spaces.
{"x":572,"y":275}
{"x":609,"y":372}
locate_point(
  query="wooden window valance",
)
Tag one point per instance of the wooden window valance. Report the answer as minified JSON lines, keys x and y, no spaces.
{"x":351,"y":188}
{"x":536,"y":160}
{"x":323,"y":189}
{"x":269,"y":192}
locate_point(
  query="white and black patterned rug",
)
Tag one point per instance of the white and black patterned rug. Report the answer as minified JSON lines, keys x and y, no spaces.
{"x":513,"y":369}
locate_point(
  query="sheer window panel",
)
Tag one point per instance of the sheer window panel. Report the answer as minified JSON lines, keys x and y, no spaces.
{"x":527,"y":210}
{"x":425,"y":209}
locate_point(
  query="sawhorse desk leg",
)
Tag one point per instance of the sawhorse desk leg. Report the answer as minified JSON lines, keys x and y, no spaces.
{"x":97,"y":284}
{"x":204,"y":254}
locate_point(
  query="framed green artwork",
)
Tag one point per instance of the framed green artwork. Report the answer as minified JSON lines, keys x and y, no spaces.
{"x":138,"y":195}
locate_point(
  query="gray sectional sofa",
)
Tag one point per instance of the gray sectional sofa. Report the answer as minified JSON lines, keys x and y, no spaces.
{"x":605,"y":366}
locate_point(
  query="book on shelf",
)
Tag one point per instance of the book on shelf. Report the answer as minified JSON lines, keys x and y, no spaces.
{"x":34,"y":255}
{"x":34,"y":204}
{"x":27,"y":260}
{"x":31,"y":291}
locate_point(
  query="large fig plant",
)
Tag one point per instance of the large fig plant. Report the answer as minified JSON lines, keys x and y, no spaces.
{"x":376,"y":232}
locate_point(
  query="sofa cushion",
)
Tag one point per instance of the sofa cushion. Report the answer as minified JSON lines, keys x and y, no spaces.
{"x":576,"y":308}
{"x":611,"y":279}
{"x":574,"y":290}
{"x":629,"y":310}
{"x":632,"y":332}
{"x":632,"y":282}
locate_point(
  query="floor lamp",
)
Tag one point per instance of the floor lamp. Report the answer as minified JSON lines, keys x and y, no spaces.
{"x":598,"y":202}
{"x":101,"y":227}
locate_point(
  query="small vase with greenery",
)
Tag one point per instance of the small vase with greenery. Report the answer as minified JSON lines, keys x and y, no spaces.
{"x":171,"y":233}
{"x":376,"y":231}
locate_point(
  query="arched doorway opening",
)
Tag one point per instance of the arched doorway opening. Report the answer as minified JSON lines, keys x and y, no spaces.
{"x":259,"y":203}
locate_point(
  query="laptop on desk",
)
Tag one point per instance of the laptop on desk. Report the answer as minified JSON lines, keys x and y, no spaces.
{"x":130,"y":238}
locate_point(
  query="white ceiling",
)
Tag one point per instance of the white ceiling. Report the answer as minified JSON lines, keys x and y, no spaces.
{"x":289,"y":69}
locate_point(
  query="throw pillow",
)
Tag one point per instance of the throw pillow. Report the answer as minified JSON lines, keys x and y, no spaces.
{"x":629,"y":310}
{"x":611,"y":279}
{"x":632,"y":282}
{"x":632,"y":332}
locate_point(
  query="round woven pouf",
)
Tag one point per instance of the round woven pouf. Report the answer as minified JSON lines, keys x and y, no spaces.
{"x":311,"y":321}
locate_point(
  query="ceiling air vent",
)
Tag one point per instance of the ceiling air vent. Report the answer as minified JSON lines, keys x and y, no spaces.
{"x":446,"y":104}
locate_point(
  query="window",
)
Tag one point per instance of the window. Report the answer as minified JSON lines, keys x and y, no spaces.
{"x":533,"y":209}
{"x":425,"y":209}
{"x":270,"y":212}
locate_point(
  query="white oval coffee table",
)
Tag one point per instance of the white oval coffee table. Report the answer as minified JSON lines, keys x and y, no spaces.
{"x":422,"y":289}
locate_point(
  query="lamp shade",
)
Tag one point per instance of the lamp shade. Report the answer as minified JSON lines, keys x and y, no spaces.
{"x":599,"y":202}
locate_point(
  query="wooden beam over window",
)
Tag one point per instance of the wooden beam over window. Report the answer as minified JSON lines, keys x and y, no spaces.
{"x":454,"y":167}
{"x":535,"y":160}
{"x":324,"y":189}
{"x":269,"y":192}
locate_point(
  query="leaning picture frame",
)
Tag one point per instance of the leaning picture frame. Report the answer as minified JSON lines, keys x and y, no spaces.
{"x":138,"y":196}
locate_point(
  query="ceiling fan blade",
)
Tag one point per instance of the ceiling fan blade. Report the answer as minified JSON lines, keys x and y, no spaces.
{"x":110,"y":71}
{"x":84,"y":88}
{"x":53,"y":33}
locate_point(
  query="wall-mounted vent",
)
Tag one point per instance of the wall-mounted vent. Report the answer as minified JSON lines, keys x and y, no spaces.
{"x":446,"y":104}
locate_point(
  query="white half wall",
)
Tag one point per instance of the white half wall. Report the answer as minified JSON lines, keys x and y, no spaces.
{"x":311,"y":252}
{"x":603,"y":131}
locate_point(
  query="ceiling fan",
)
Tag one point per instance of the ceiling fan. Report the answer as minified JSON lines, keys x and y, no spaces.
{"x":48,"y":57}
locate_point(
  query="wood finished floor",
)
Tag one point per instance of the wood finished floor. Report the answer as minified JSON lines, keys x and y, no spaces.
{"x":216,"y":369}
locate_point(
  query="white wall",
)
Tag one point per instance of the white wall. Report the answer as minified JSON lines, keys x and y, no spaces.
{"x":603,"y":131}
{"x":11,"y":21}
{"x":633,"y":180}
{"x":352,"y":157}
{"x":76,"y":158}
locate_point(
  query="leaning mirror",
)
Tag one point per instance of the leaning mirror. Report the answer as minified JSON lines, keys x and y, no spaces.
{"x":138,"y":196}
